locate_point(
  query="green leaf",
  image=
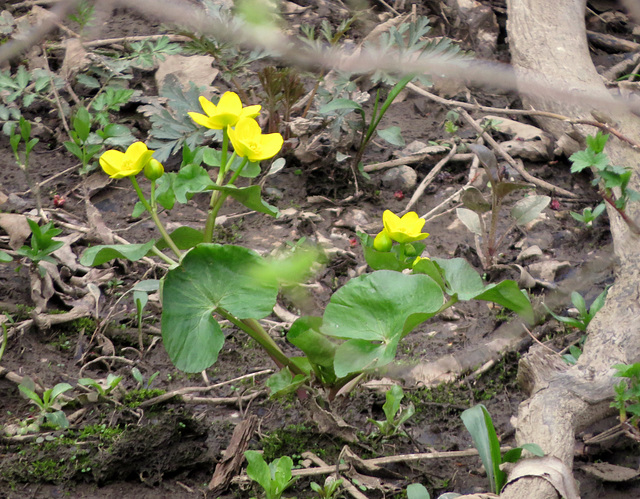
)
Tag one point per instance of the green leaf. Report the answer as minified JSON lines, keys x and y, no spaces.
{"x":535,"y":449}
{"x":392,"y":403}
{"x":59,"y":389}
{"x":598,"y":303}
{"x":380,"y":307}
{"x":470,"y":219}
{"x":57,"y":418}
{"x":578,"y":302}
{"x":284,"y":382}
{"x":185,"y":238}
{"x":97,"y":255}
{"x":251,"y":197}
{"x":258,"y":469}
{"x":509,"y":295}
{"x":460,"y":277}
{"x":210,"y":276}
{"x":5,"y":257}
{"x":417,"y":491}
{"x":82,"y":124}
{"x":528,"y":209}
{"x":597,"y":142}
{"x":340,"y":104}
{"x":304,"y":334}
{"x":473,"y":199}
{"x":393,"y":135}
{"x":190,"y":180}
{"x":478,"y":422}
{"x":587,"y":159}
{"x":504,"y":188}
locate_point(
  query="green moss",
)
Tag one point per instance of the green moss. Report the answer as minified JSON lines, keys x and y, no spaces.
{"x":295,"y":439}
{"x":134,"y":398}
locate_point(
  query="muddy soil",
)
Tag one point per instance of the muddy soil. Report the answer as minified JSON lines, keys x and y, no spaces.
{"x":124,"y":449}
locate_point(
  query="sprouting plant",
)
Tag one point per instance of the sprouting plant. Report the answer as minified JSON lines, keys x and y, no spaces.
{"x":146,"y":53}
{"x":584,"y":315}
{"x":49,"y":405}
{"x":627,"y":393}
{"x":137,"y":375}
{"x":24,"y":88}
{"x":42,"y":243}
{"x":105,"y":390}
{"x":478,"y":422}
{"x":282,"y":89}
{"x":609,"y":177}
{"x":476,"y":206}
{"x":330,"y":488}
{"x":451,"y":120}
{"x":395,"y":417}
{"x":274,"y":477}
{"x":83,"y":14}
{"x":5,"y":335}
{"x":587,"y":217}
{"x":24,"y":135}
{"x":391,"y":134}
{"x":575,"y":351}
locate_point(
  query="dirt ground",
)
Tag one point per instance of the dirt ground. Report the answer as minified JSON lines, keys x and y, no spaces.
{"x":171,"y":449}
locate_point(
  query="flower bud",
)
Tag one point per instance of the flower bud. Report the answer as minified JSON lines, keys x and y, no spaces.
{"x":154,"y":169}
{"x":409,"y":250}
{"x":382,"y":242}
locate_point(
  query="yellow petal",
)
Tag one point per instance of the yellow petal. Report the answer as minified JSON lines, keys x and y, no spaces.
{"x":208,"y":107}
{"x":141,"y":162}
{"x":270,"y":145}
{"x":390,"y":220}
{"x":134,"y":151}
{"x":238,"y":146}
{"x":247,"y":129}
{"x":250,"y":111}
{"x":201,"y":119}
{"x":229,"y":104}
{"x":111,"y":161}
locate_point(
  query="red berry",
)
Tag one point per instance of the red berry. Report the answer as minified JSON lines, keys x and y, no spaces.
{"x":58,"y":201}
{"x":399,"y":195}
{"x":555,"y":204}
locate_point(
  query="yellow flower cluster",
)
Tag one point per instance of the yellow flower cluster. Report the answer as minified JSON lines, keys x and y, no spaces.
{"x":244,"y":132}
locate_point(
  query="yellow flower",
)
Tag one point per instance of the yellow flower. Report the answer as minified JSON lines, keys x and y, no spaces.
{"x":249,"y":142}
{"x":118,"y":164}
{"x":227,"y":113}
{"x":382,"y":242}
{"x":405,"y":229}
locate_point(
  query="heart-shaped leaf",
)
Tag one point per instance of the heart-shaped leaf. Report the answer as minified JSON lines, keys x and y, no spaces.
{"x":470,"y":219}
{"x":374,"y":309}
{"x":473,"y":199}
{"x":250,"y":196}
{"x":210,"y":276}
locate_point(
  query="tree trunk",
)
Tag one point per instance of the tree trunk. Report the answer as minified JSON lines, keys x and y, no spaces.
{"x":548,"y":38}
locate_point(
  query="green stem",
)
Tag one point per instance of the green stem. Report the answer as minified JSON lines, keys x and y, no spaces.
{"x":253,"y":328}
{"x":164,"y":257}
{"x":154,"y":217}
{"x":216,"y":195}
{"x":5,"y":338}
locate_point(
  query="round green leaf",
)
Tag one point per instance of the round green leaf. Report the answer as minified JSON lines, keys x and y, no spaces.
{"x":97,"y":255}
{"x":210,"y":276}
{"x":375,"y":306}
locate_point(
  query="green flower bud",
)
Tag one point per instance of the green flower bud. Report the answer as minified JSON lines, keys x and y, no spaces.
{"x":382,"y":242}
{"x":154,"y":169}
{"x":409,"y":250}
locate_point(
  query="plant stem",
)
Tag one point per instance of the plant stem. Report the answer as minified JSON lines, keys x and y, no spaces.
{"x":156,"y":220}
{"x":253,"y":328}
{"x":633,"y":227}
{"x":216,"y":195}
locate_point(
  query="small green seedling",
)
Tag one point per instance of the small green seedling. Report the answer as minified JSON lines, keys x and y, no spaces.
{"x":627,"y":393}
{"x":479,"y":424}
{"x":274,"y":478}
{"x":112,"y":382}
{"x":42,"y":243}
{"x":588,"y":216}
{"x":329,"y":490}
{"x":48,"y":404}
{"x":574,"y":354}
{"x":584,"y":316}
{"x":395,"y":417}
{"x":137,"y":375}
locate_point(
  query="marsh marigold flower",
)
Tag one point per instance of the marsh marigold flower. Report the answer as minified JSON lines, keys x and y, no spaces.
{"x":118,"y":164}
{"x":249,"y":142}
{"x":226,"y":113}
{"x":406,"y":229}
